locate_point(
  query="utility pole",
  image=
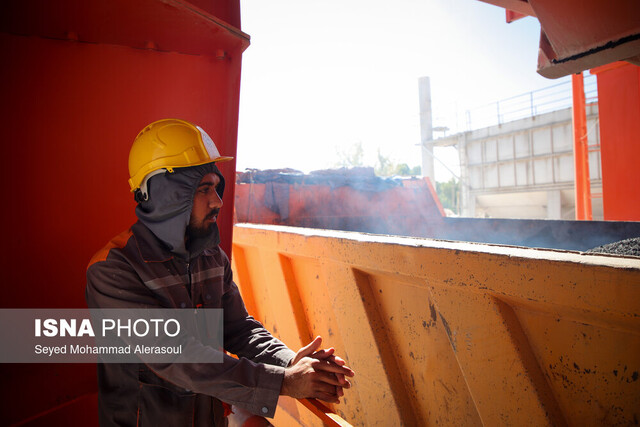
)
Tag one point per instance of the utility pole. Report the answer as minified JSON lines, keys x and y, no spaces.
{"x":426,"y":128}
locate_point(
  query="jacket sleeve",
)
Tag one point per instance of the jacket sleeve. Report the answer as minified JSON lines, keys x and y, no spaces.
{"x":253,"y":386}
{"x":245,"y":336}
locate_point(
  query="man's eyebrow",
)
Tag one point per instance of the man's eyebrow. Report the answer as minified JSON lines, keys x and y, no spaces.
{"x":209,"y":184}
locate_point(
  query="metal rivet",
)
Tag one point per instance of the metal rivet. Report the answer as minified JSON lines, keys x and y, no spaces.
{"x":265,"y":409}
{"x":183,"y":305}
{"x":208,"y":296}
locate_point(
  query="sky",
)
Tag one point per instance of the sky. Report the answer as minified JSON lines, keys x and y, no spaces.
{"x":321,"y":76}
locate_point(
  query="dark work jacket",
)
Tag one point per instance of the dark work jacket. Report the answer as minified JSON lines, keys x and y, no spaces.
{"x":135,"y":270}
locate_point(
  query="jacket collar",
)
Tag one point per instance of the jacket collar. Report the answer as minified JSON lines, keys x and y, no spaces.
{"x":150,"y":247}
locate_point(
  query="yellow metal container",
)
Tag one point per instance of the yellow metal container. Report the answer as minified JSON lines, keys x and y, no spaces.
{"x":452,"y":333}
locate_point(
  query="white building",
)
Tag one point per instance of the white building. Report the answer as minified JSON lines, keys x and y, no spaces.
{"x":523,"y":168}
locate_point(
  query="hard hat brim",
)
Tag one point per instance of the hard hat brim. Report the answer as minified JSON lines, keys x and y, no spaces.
{"x":220,"y":159}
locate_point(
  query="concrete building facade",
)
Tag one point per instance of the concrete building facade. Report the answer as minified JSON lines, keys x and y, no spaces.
{"x":525,"y":168}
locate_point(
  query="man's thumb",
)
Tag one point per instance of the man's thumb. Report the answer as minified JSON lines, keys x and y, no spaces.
{"x":312,"y":347}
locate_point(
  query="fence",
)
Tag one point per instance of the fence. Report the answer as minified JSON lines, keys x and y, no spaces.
{"x":530,"y":104}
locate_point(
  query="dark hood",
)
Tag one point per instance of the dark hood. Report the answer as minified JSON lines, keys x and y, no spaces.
{"x":167,"y":211}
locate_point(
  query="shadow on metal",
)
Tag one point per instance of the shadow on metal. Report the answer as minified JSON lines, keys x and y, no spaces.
{"x":449,"y":332}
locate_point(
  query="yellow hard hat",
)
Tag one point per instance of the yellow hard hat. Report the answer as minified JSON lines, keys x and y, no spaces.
{"x":168,"y":144}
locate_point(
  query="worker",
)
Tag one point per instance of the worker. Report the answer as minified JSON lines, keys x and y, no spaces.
{"x":170,"y":258}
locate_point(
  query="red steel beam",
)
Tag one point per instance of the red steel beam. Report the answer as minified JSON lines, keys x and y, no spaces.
{"x":520,"y":6}
{"x":513,"y":16}
{"x":581,"y":150}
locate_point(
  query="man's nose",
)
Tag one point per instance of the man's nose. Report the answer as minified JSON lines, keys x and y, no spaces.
{"x":215,"y":201}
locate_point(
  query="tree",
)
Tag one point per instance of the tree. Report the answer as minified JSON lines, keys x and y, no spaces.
{"x":403,"y":169}
{"x":384,"y":167}
{"x":351,"y":157}
{"x":449,"y":194}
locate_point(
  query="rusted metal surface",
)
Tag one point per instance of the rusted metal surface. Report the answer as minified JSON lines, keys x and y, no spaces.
{"x":452,"y":333}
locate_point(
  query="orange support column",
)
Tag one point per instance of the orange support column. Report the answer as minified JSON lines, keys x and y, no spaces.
{"x":619,"y":114}
{"x":79,"y":81}
{"x":580,"y":150}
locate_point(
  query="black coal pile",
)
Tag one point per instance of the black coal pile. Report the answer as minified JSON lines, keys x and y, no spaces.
{"x":627,"y":247}
{"x":360,"y":178}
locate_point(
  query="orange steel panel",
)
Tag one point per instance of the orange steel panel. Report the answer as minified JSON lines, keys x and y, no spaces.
{"x":79,"y":81}
{"x":328,"y":417}
{"x":619,"y":114}
{"x":453,"y":333}
{"x":582,"y":182}
{"x":580,"y":34}
{"x":576,"y":27}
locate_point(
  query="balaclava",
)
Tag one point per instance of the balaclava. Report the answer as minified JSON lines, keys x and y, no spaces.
{"x":168,"y":209}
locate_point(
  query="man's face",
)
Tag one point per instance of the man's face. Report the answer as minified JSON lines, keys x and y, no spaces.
{"x":206,"y":206}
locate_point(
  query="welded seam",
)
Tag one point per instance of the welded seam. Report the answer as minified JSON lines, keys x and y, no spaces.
{"x":609,"y":45}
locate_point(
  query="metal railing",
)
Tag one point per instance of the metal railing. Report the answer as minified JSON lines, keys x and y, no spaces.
{"x":552,"y":98}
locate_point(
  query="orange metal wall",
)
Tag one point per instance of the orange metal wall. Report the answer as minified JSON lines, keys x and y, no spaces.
{"x":70,"y":111}
{"x":619,"y":112}
{"x":452,"y":333}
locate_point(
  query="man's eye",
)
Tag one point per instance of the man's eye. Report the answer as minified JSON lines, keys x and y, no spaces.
{"x":204,"y":190}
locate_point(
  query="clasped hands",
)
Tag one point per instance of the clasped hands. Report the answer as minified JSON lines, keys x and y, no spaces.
{"x":315,"y":373}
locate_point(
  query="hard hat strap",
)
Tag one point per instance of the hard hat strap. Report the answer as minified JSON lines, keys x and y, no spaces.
{"x":144,"y":192}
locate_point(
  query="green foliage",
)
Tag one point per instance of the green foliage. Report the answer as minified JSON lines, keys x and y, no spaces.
{"x":449,"y":194}
{"x":387,"y":167}
{"x":351,"y":157}
{"x":384,"y":166}
{"x":397,"y":169}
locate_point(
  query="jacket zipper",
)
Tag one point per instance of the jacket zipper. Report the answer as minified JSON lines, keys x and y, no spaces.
{"x":189,"y":276}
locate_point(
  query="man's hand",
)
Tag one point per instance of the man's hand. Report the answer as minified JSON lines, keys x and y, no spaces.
{"x":317,"y":374}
